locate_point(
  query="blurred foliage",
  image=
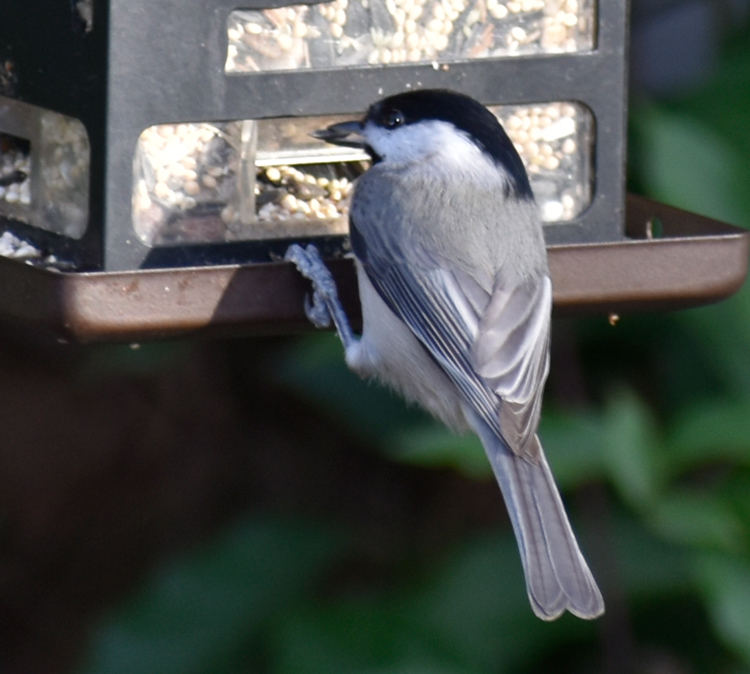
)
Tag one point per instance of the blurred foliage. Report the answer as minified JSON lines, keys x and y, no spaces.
{"x":653,"y":453}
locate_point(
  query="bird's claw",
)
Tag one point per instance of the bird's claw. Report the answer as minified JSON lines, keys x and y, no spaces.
{"x":316,"y":310}
{"x":308,"y":263}
{"x":324,"y":307}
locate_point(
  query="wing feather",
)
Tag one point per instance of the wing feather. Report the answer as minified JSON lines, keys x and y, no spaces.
{"x":491,"y":344}
{"x":512,"y":354}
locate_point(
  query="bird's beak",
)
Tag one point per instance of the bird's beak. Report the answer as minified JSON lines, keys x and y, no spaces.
{"x":348,"y":134}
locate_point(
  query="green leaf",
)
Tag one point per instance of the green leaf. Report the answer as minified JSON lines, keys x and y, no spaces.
{"x":735,"y":490}
{"x":476,"y":601}
{"x":686,"y":163}
{"x":575,"y":446}
{"x":646,"y":567}
{"x":352,"y":635}
{"x":698,"y":520}
{"x":200,"y":609}
{"x":632,"y":450}
{"x":723,"y":331}
{"x":710,"y":433}
{"x":470,"y":615}
{"x":725,"y":582}
{"x":434,"y":445}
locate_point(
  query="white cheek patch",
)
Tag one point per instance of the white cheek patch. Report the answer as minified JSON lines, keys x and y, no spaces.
{"x":401,"y":145}
{"x":449,"y":150}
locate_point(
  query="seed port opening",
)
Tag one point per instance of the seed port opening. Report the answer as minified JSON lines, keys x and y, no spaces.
{"x":262,"y":179}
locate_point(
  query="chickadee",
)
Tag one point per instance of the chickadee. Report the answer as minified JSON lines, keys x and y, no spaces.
{"x":456,"y":299}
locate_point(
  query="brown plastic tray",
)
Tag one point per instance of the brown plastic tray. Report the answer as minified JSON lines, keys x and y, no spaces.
{"x":695,"y":261}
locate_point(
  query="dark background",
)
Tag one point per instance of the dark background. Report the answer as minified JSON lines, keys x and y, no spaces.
{"x":250,"y":506}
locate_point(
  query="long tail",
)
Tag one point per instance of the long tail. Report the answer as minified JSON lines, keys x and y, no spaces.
{"x":557,"y":576}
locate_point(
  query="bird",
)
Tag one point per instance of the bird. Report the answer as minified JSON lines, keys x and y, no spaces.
{"x":456,"y":300}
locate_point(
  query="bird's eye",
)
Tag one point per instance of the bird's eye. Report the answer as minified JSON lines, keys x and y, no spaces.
{"x":392,"y":119}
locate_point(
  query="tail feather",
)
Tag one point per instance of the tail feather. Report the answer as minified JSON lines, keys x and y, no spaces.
{"x":557,"y":576}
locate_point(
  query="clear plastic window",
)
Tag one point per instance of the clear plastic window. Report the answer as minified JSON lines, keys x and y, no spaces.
{"x":44,"y":168}
{"x":15,"y":169}
{"x":361,"y":32}
{"x":269,"y":179}
{"x":556,"y":143}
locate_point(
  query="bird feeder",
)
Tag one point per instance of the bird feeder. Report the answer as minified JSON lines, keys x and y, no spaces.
{"x":160,"y":149}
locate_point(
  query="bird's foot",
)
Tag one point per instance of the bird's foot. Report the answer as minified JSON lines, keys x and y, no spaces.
{"x":308,"y":263}
{"x":324,"y":306}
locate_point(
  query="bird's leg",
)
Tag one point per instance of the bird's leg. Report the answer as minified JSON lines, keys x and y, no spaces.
{"x":310,"y":265}
{"x":325,"y":305}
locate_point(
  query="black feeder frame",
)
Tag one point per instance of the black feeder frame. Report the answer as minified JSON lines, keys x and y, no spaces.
{"x":141,"y":63}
